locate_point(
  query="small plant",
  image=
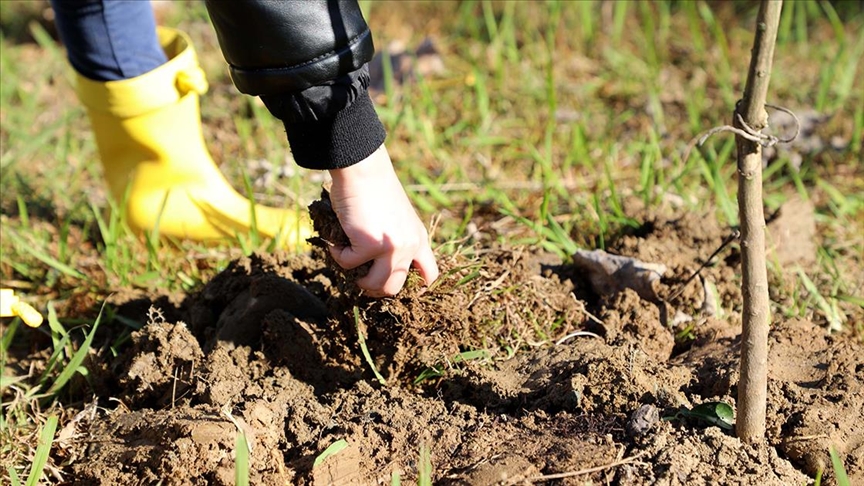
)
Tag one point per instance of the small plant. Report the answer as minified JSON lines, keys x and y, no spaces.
{"x":437,"y":371}
{"x":839,"y":470}
{"x":41,"y":456}
{"x":719,"y":414}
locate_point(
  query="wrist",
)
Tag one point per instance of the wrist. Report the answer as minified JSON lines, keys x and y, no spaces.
{"x":374,"y":166}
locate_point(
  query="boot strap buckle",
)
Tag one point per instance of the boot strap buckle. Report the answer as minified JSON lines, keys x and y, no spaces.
{"x":192,"y":79}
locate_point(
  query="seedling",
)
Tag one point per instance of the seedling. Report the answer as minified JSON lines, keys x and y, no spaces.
{"x":74,"y":364}
{"x":438,"y":370}
{"x":331,"y":450}
{"x":719,"y":414}
{"x":424,"y":474}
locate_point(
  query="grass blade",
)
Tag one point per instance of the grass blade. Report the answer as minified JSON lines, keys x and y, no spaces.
{"x":46,"y":437}
{"x":77,"y":358}
{"x":8,"y":334}
{"x":13,"y":476}
{"x":839,"y":471}
{"x":57,"y":330}
{"x":44,"y":258}
{"x":835,"y":319}
{"x":424,"y":473}
{"x":852,"y":299}
{"x":362,"y":340}
{"x":818,"y":480}
{"x":331,"y":450}
{"x":241,"y":460}
{"x":53,"y":360}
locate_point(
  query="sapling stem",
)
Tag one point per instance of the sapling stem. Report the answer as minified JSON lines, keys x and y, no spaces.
{"x":753,"y":384}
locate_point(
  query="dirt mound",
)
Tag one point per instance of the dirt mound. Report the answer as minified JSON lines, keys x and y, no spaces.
{"x":271,"y":347}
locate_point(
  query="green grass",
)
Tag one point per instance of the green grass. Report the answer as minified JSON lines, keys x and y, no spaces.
{"x":841,"y":478}
{"x":46,"y":436}
{"x":553,"y":116}
{"x":241,"y":460}
{"x":840,"y":474}
{"x":361,"y":341}
{"x":331,"y":450}
{"x":25,"y":397}
{"x":424,"y":469}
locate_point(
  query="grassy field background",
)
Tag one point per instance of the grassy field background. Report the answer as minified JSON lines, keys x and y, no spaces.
{"x":544,"y":123}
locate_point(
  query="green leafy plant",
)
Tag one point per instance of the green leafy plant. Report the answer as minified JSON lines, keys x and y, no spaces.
{"x":718,"y":414}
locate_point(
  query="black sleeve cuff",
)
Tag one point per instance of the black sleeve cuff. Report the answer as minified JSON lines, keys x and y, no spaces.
{"x":350,"y":136}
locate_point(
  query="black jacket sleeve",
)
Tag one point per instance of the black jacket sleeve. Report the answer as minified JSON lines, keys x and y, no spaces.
{"x":307,"y":60}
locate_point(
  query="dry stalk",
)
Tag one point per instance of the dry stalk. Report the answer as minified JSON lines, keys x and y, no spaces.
{"x":752,"y":388}
{"x":581,"y":472}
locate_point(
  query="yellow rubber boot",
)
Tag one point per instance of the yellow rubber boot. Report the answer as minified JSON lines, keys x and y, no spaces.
{"x":11,"y":306}
{"x":148,"y":130}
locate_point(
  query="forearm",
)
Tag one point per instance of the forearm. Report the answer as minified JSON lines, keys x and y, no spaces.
{"x":307,"y":60}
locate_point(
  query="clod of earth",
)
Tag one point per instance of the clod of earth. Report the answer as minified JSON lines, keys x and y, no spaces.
{"x":330,"y":233}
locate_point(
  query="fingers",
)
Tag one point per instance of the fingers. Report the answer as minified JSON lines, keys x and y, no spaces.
{"x":383,"y":279}
{"x":388,"y":272}
{"x":425,"y":263}
{"x":381,"y":225}
{"x":348,"y":257}
{"x":386,"y":276}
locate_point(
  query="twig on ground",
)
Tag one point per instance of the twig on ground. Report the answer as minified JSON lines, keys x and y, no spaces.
{"x":729,"y":238}
{"x":581,"y":472}
{"x":802,"y":438}
{"x":576,"y":334}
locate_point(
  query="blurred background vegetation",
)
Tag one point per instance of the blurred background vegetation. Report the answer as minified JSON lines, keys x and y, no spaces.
{"x":546,"y":123}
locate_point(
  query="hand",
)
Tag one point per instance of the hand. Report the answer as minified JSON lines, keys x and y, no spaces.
{"x":381,"y":224}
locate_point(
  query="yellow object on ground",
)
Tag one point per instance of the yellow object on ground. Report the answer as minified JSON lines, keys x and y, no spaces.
{"x":148,"y":130}
{"x":11,"y":306}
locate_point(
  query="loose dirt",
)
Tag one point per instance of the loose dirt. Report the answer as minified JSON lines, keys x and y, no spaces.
{"x":271,"y":347}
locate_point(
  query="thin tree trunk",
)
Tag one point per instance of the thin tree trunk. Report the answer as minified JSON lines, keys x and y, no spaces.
{"x":753,"y":384}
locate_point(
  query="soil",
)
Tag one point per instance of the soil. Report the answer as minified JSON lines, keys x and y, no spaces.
{"x":271,"y":347}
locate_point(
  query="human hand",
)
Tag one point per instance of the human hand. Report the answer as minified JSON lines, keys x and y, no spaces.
{"x":381,"y":224}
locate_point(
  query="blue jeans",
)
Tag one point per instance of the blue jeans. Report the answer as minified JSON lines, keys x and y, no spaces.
{"x":109,"y":40}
